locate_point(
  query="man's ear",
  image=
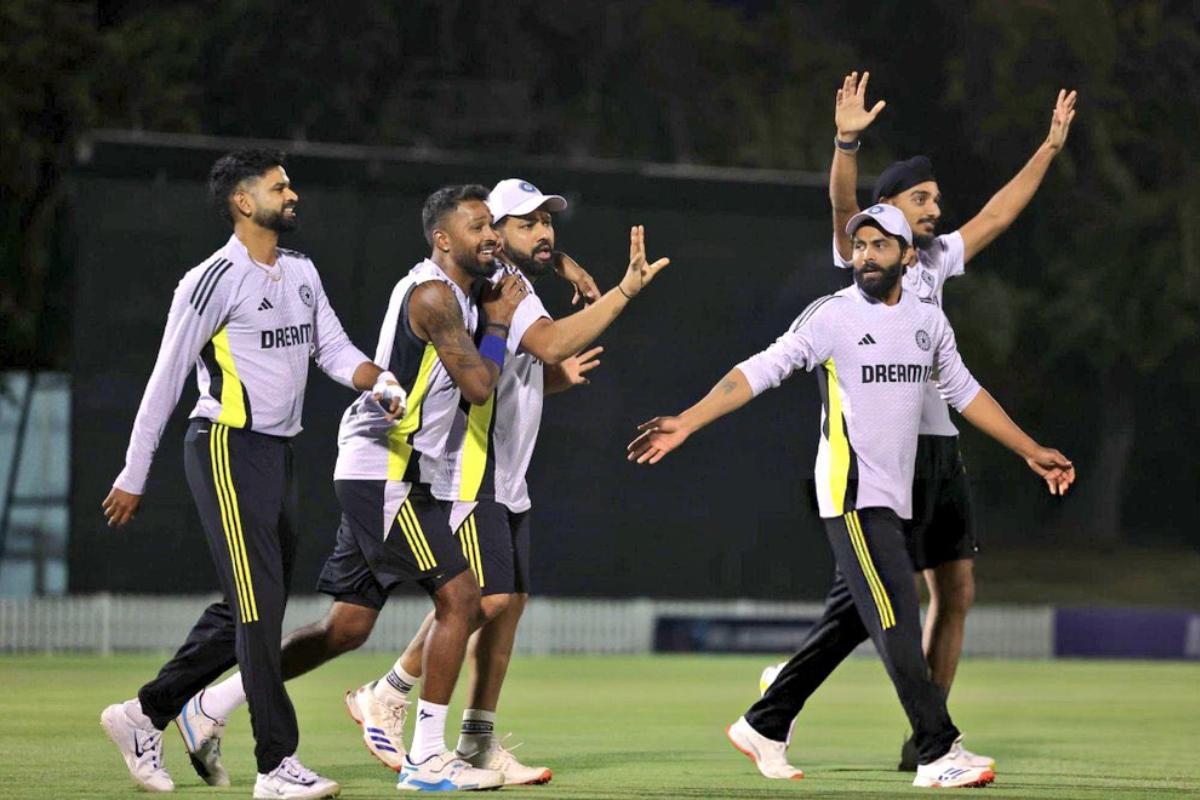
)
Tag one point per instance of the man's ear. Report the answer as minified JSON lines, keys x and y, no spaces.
{"x":441,"y":241}
{"x":910,"y":256}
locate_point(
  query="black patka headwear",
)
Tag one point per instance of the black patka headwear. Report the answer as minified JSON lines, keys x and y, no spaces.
{"x":902,"y":175}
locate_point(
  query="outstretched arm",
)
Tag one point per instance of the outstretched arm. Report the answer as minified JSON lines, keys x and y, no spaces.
{"x":986,"y":414}
{"x":661,"y":435}
{"x":551,"y":342}
{"x":1000,"y":212}
{"x":851,"y":118}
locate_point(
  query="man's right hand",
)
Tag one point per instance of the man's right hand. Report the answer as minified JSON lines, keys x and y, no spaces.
{"x":850,"y":111}
{"x":120,"y":507}
{"x":501,"y":300}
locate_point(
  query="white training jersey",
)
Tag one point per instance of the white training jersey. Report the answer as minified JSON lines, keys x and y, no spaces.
{"x":491,"y":445}
{"x":370,"y":447}
{"x":248,"y":330}
{"x":935,"y":265}
{"x":875,"y":361}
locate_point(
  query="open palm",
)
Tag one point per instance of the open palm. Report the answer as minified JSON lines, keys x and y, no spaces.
{"x":850,"y":110}
{"x":640,"y":273}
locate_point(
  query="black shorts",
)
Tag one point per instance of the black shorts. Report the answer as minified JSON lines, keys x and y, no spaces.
{"x":368,"y":562}
{"x":942,"y":528}
{"x":495,"y":542}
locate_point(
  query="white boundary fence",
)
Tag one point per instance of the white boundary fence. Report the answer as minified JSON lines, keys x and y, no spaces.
{"x":117,"y":623}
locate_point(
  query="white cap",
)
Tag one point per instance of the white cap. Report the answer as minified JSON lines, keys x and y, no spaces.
{"x":887,"y":217}
{"x":516,"y":196}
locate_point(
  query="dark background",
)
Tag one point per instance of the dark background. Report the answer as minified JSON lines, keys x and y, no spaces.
{"x":1082,"y":319}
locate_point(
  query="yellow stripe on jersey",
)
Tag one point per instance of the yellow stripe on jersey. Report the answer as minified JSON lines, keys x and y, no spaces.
{"x":231,"y":522}
{"x":475,"y":450}
{"x":416,"y":537}
{"x":400,"y":435}
{"x":887,"y":617}
{"x":233,"y":401}
{"x":839,"y":445}
{"x":475,"y":551}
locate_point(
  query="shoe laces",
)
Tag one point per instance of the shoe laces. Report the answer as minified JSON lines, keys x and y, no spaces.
{"x":503,"y":753}
{"x":291,"y":768}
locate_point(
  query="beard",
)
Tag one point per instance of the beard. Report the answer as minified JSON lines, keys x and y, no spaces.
{"x":922,"y":241}
{"x":878,"y":284}
{"x":528,"y":264}
{"x":469,"y":262}
{"x":275,"y":220}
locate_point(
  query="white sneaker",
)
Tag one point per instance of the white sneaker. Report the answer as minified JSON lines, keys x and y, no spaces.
{"x":202,"y":738}
{"x":768,"y":755}
{"x":768,"y":676}
{"x":294,"y":781}
{"x":955,"y":770}
{"x":382,"y":725}
{"x":140,"y":745}
{"x":493,"y":755}
{"x":446,"y":772}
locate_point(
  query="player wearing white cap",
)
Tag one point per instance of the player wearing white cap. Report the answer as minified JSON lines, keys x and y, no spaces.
{"x":484,"y":476}
{"x":941,"y":538}
{"x":877,"y":345}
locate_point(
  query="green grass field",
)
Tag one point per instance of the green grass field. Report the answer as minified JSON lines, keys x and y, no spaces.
{"x":652,"y":727}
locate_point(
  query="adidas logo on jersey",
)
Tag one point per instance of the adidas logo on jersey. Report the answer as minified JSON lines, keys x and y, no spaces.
{"x":868,"y":339}
{"x":265,"y":305}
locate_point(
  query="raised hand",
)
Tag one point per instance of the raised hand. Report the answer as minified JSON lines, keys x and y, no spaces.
{"x":850,"y":110}
{"x":1053,"y":467}
{"x":639,"y":273}
{"x":658,"y":437}
{"x":1060,"y":119}
{"x":570,"y":271}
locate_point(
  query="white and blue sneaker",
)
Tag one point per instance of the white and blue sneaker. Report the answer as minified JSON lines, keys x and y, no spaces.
{"x":382,"y":724}
{"x":446,"y":772}
{"x":140,"y":744}
{"x":959,"y":768}
{"x":202,"y":738}
{"x":291,"y":780}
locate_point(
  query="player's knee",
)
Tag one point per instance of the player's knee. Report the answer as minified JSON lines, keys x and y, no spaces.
{"x":459,"y":597}
{"x":347,"y":630}
{"x":493,"y":605}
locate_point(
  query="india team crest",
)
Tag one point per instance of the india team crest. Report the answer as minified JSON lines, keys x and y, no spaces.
{"x":306,"y":295}
{"x":526,"y":186}
{"x":923,"y":340}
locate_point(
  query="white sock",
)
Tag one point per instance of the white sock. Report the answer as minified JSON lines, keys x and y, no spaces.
{"x":223,"y":699}
{"x":394,"y":687}
{"x":429,"y":734}
{"x":477,"y":732}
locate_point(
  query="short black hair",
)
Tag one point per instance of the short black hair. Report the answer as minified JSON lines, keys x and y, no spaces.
{"x":445,"y":200}
{"x":233,"y":168}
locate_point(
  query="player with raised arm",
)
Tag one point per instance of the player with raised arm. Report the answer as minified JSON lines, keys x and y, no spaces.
{"x":874,"y":345}
{"x":484,"y":475}
{"x":247,"y":319}
{"x":941,"y":538}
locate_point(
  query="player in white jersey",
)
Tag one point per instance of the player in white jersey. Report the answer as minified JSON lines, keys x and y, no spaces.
{"x":876,"y":346}
{"x":483,"y":471}
{"x":941,"y":537}
{"x":248,"y":320}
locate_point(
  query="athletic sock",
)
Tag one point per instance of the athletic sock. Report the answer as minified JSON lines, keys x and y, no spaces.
{"x":394,"y":687}
{"x":223,"y":699}
{"x":429,"y":734}
{"x":477,"y":733}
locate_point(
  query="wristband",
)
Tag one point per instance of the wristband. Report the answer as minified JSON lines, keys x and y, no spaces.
{"x":628,"y":296}
{"x":849,"y":147}
{"x":499,"y":325}
{"x":493,"y":348}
